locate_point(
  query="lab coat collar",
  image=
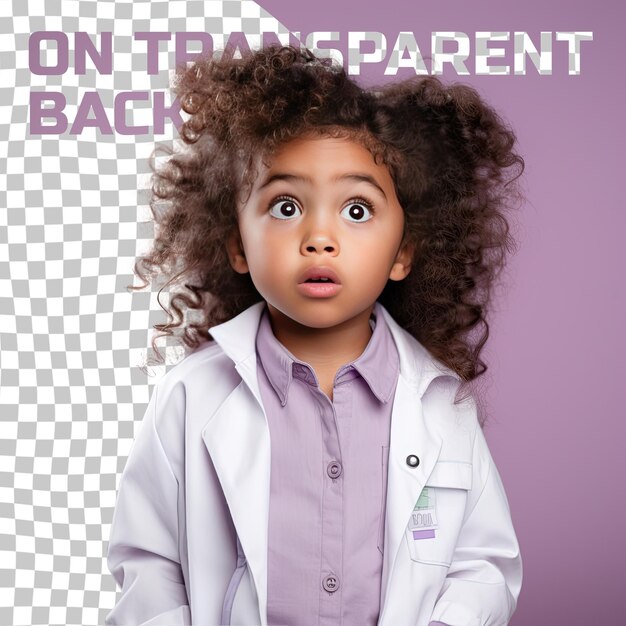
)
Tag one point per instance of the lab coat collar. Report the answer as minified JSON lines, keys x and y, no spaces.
{"x":237,"y":338}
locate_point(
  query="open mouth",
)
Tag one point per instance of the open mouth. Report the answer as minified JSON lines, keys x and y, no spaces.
{"x":320,"y":283}
{"x":321,"y":275}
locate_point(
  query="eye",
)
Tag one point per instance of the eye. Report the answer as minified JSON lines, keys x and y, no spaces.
{"x":358,"y":210}
{"x":284,"y":208}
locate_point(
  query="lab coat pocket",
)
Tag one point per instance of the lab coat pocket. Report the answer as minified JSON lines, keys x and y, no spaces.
{"x":438,"y":514}
{"x":383,"y":500}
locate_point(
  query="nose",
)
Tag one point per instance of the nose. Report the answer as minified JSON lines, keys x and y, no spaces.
{"x":319,"y":243}
{"x":319,"y":238}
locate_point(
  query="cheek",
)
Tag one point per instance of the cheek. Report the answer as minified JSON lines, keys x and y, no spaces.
{"x":374,"y":253}
{"x":266,"y":251}
{"x":258,"y":232}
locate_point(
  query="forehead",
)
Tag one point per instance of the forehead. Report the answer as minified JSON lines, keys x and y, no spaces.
{"x":321,"y":156}
{"x":303,"y":147}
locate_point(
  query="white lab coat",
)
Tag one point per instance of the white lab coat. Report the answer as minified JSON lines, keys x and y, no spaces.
{"x":188,"y":542}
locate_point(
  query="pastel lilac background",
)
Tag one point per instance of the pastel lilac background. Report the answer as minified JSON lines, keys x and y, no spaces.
{"x":555,"y":389}
{"x":71,"y":337}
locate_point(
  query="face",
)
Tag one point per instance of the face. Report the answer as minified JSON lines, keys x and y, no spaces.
{"x":321,"y":232}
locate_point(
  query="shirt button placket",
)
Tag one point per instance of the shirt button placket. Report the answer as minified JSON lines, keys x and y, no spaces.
{"x":333,"y":469}
{"x":332,"y":518}
{"x":330,"y":583}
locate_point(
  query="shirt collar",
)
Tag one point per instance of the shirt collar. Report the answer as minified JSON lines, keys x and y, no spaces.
{"x":378,"y":364}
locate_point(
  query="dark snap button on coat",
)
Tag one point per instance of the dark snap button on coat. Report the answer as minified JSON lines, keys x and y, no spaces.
{"x":412,"y":460}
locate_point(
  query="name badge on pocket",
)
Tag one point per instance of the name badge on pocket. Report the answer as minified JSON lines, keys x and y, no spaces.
{"x":423,"y":522}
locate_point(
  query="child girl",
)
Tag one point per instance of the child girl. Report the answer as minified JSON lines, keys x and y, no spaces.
{"x":317,"y":458}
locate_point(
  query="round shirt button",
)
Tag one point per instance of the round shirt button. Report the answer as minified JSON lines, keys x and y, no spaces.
{"x":330,"y":583}
{"x":412,"y":460}
{"x":334,"y":469}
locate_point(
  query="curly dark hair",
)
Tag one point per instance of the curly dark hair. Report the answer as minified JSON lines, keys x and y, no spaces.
{"x":449,"y":154}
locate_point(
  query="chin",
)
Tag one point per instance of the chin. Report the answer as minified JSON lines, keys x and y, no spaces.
{"x":320,"y":319}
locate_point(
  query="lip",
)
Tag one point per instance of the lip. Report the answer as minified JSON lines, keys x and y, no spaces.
{"x":319,"y":290}
{"x":319,"y":272}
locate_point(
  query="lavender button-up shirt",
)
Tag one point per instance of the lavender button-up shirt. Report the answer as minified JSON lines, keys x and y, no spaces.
{"x":328,"y":481}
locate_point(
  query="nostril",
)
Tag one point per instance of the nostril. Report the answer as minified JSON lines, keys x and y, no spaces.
{"x":319,"y":249}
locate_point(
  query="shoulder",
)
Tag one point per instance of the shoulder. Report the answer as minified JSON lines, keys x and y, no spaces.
{"x":192,"y":389}
{"x":206,"y":368}
{"x":455,"y":423}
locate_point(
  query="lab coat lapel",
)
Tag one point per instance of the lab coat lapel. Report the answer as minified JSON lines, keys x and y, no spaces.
{"x":409,"y":435}
{"x":237,"y":438}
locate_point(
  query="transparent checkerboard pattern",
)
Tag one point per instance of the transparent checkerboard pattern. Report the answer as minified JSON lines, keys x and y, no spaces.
{"x":73,"y":340}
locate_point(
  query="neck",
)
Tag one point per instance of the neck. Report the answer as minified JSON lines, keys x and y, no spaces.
{"x":323,"y":348}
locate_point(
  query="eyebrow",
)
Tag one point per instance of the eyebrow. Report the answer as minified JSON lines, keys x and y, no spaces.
{"x":356,"y":176}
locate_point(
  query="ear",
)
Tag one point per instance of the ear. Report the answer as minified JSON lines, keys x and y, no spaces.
{"x":402,"y":264}
{"x":236,"y":253}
